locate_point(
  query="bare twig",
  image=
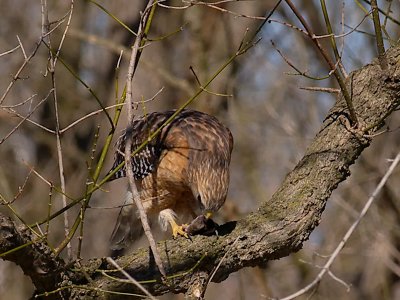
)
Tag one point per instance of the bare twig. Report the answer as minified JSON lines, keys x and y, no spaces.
{"x":15,"y":77}
{"x":22,"y":48}
{"x":336,"y":36}
{"x":349,"y":232}
{"x":135,"y":55}
{"x":330,"y":63}
{"x":299,"y":72}
{"x":19,"y":71}
{"x":333,"y":41}
{"x":19,"y":104}
{"x":19,"y":192}
{"x":49,"y":206}
{"x":378,"y":33}
{"x":341,"y":281}
{"x":25,"y":118}
{"x":342,"y":33}
{"x":31,"y":169}
{"x":320,"y":89}
{"x":96,"y":112}
{"x":167,"y":76}
{"x":65,"y":32}
{"x":130,"y":278}
{"x":51,"y":69}
{"x":384,"y":13}
{"x":222,"y":259}
{"x":203,"y":88}
{"x":113,"y":16}
{"x":9,"y":51}
{"x":13,"y":112}
{"x":21,"y":188}
{"x":214,"y":6}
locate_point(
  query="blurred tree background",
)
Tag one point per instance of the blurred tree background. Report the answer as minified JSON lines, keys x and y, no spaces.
{"x":259,"y":96}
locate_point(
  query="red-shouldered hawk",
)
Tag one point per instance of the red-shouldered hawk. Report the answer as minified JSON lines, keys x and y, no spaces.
{"x":181,"y":173}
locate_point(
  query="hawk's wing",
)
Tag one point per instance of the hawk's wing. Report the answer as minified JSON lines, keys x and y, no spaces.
{"x":203,"y":132}
{"x":145,"y":161}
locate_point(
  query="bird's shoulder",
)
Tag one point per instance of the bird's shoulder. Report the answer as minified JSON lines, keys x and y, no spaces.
{"x":178,"y":132}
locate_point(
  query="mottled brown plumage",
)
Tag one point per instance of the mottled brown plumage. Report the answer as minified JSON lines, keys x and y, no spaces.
{"x":181,"y":173}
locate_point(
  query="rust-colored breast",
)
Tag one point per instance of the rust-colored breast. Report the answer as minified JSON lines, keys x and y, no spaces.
{"x":168,"y":185}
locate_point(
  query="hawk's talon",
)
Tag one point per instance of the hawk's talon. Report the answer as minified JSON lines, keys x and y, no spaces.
{"x":179,"y":230}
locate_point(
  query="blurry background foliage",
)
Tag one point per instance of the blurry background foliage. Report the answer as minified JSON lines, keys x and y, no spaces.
{"x":271,"y":118}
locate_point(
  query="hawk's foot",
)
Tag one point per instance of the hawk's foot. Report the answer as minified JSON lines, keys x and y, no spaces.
{"x":179,"y":230}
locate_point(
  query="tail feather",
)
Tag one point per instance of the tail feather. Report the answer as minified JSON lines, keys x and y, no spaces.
{"x":128,"y":228}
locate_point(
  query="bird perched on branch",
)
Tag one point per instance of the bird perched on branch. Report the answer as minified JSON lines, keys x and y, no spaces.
{"x":181,"y":173}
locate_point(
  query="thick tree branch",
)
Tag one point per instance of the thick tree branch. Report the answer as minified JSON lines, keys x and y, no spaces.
{"x":278,"y":228}
{"x":33,"y":256}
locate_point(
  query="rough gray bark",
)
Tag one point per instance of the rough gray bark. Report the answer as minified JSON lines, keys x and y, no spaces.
{"x":278,"y":228}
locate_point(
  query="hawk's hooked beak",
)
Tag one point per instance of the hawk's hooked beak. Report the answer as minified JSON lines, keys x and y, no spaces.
{"x":208,"y":215}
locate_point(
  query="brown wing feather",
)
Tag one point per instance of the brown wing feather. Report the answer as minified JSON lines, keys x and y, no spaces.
{"x":145,"y":161}
{"x":210,"y":145}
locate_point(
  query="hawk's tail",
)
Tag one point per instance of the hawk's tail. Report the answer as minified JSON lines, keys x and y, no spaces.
{"x":128,"y":228}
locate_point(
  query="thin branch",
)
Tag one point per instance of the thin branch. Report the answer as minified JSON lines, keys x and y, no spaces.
{"x":299,"y":72}
{"x":76,"y":76}
{"x":51,"y":69}
{"x":19,"y":192}
{"x":135,"y":55}
{"x":330,"y":63}
{"x":25,"y":63}
{"x":71,"y":9}
{"x":113,"y":17}
{"x":19,"y":71}
{"x":336,"y":36}
{"x":96,"y":112}
{"x":222,"y":259}
{"x":333,"y":41}
{"x":389,"y":9}
{"x":130,"y":278}
{"x":13,"y":112}
{"x":342,"y":32}
{"x":25,"y":118}
{"x":21,"y":188}
{"x":378,"y":33}
{"x":349,"y":232}
{"x":385,"y":14}
{"x":213,"y":5}
{"x":10,"y":51}
{"x":168,"y":77}
{"x":228,"y":11}
{"x":22,"y":48}
{"x":19,"y":104}
{"x":341,"y":281}
{"x":320,"y":89}
{"x":203,"y":88}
